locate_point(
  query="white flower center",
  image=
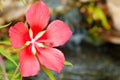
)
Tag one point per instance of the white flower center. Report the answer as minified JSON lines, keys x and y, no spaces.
{"x":34,"y":42}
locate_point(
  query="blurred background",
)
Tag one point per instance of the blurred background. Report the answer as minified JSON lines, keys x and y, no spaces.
{"x":94,"y":48}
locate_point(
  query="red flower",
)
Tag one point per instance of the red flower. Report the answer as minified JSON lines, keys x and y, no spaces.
{"x":39,"y":42}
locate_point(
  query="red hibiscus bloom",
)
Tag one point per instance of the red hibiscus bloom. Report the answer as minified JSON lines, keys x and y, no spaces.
{"x":39,"y":42}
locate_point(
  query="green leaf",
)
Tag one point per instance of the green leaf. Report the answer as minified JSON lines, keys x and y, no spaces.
{"x":68,"y":63}
{"x":3,"y":26}
{"x":23,"y":1}
{"x":6,"y":42}
{"x":26,"y":24}
{"x":5,"y":54}
{"x":1,"y":6}
{"x":48,"y":72}
{"x":16,"y":77}
{"x":99,"y":14}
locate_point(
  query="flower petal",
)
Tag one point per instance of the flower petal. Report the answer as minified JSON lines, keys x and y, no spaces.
{"x":38,"y":16}
{"x":57,"y":33}
{"x":18,"y":34}
{"x":29,"y":65}
{"x":51,"y":58}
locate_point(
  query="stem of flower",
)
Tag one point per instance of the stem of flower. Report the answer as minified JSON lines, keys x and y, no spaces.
{"x":3,"y":68}
{"x":46,"y":70}
{"x":16,"y":70}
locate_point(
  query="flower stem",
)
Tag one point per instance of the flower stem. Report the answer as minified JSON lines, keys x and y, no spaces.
{"x":3,"y":68}
{"x":16,"y":70}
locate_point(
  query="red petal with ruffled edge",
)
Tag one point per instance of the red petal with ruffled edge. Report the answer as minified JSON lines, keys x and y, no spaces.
{"x":56,"y":34}
{"x":29,"y":65}
{"x":18,"y":34}
{"x":51,"y":58}
{"x":38,"y":16}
